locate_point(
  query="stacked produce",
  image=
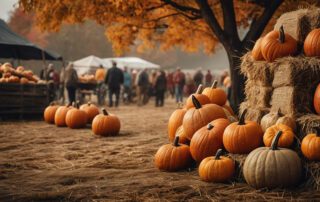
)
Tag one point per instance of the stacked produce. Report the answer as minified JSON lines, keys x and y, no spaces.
{"x":87,"y":78}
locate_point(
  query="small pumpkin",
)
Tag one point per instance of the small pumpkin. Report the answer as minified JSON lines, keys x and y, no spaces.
{"x":316,"y":99}
{"x":76,"y":118}
{"x":288,"y":121}
{"x":175,"y":121}
{"x":270,"y":119}
{"x":208,"y":139}
{"x":106,"y":124}
{"x":243,"y":136}
{"x":24,"y":80}
{"x":312,"y":44}
{"x":14,"y":79}
{"x":20,"y":69}
{"x":173,"y":157}
{"x":182,"y":136}
{"x":197,"y":117}
{"x":277,"y":44}
{"x":203,"y":99}
{"x":215,"y":95}
{"x":60,"y":116}
{"x":256,"y":51}
{"x":310,"y":146}
{"x":91,"y":110}
{"x":286,"y":138}
{"x":50,"y":112}
{"x":272,"y":167}
{"x":217,"y":169}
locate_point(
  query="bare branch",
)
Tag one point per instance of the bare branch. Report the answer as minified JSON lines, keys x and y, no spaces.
{"x":193,"y":11}
{"x":229,"y":20}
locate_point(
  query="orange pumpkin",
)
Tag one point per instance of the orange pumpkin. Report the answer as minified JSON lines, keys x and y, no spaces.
{"x":14,"y":79}
{"x":277,"y":44}
{"x":316,"y":100}
{"x":24,"y":80}
{"x":286,"y":138}
{"x":203,"y":99}
{"x":197,"y":117}
{"x":215,"y":95}
{"x":182,"y":136}
{"x":256,"y":51}
{"x":175,"y":121}
{"x":106,"y":124}
{"x":91,"y":110}
{"x":60,"y":116}
{"x":208,"y":139}
{"x":310,"y":146}
{"x":311,"y":45}
{"x":242,"y":137}
{"x":50,"y":112}
{"x":173,"y":157}
{"x":76,"y":118}
{"x":20,"y":69}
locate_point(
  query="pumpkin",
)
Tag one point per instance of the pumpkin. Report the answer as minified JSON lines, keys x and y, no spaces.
{"x":217,"y":168}
{"x":7,"y":75}
{"x":316,"y":100}
{"x":272,"y":167}
{"x":91,"y":110}
{"x":60,"y":116}
{"x":208,"y":139}
{"x":311,"y":45}
{"x":215,"y":95}
{"x":269,"y":119}
{"x":28,"y":74}
{"x":243,"y":136}
{"x":182,"y":136}
{"x":173,"y":157}
{"x":203,"y":99}
{"x":14,"y":79}
{"x":286,"y":138}
{"x":106,"y":124}
{"x":310,"y":146}
{"x":196,"y":118}
{"x":50,"y":112}
{"x":24,"y":80}
{"x":6,"y":67}
{"x":227,"y":107}
{"x":288,"y":121}
{"x":20,"y":69}
{"x":277,"y":44}
{"x":76,"y":118}
{"x":175,"y":121}
{"x":256,"y":51}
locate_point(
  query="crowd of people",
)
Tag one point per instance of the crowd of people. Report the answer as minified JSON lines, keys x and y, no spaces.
{"x":134,"y":86}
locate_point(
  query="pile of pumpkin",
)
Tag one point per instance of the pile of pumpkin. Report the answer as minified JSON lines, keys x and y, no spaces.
{"x":75,"y":117}
{"x":18,"y":75}
{"x":201,"y":132}
{"x":87,"y":78}
{"x":277,"y":44}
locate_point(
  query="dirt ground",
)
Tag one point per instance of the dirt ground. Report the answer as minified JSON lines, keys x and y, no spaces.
{"x":40,"y":162}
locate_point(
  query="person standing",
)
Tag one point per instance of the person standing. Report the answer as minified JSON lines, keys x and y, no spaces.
{"x":71,"y":82}
{"x":170,"y":84}
{"x":143,"y":85}
{"x":208,"y":79}
{"x":127,"y":85}
{"x":114,"y":79}
{"x":100,"y":76}
{"x":189,"y":84}
{"x":179,"y":82}
{"x":160,"y":88}
{"x":198,"y":78}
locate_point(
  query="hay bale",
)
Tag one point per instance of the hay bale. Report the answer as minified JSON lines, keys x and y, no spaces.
{"x":308,"y":123}
{"x":257,"y":95}
{"x":258,"y":71}
{"x":296,"y":71}
{"x":239,"y":159}
{"x":312,"y":173}
{"x":299,"y":23}
{"x":253,"y":113}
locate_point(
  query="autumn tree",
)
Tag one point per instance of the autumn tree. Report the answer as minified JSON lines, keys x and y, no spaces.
{"x":191,"y":25}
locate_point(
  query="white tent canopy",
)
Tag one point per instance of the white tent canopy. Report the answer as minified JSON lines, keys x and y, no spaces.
{"x":89,"y":64}
{"x":132,"y":63}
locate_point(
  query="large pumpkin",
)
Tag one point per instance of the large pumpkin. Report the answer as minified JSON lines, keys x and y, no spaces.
{"x":208,"y":139}
{"x":76,"y":118}
{"x":106,"y":124}
{"x":277,"y":44}
{"x":256,"y":51}
{"x":173,"y":157}
{"x":286,"y":138}
{"x":175,"y":121}
{"x":316,"y":100}
{"x":91,"y":110}
{"x":50,"y":112}
{"x":310,"y":146}
{"x":312,"y":43}
{"x":269,"y":120}
{"x":217,"y":168}
{"x":215,"y":95}
{"x":271,"y":167}
{"x":203,"y":99}
{"x":243,"y":136}
{"x":197,"y":117}
{"x":60,"y":116}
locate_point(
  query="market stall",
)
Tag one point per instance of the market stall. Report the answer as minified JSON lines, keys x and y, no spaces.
{"x":132,"y":63}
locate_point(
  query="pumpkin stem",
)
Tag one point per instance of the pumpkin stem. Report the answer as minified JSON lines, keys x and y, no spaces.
{"x":210,"y":126}
{"x":274,"y":144}
{"x":279,"y":112}
{"x":52,"y":103}
{"x":199,"y":90}
{"x":69,"y":104}
{"x":89,"y":103}
{"x":214,"y":84}
{"x":176,"y":141}
{"x":281,"y":35}
{"x":77,"y":104}
{"x":218,"y":154}
{"x":196,"y":102}
{"x":242,"y":117}
{"x":105,"y":112}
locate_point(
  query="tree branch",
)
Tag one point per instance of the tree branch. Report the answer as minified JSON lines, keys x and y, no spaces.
{"x":181,"y":7}
{"x":156,"y":7}
{"x":229,"y":20}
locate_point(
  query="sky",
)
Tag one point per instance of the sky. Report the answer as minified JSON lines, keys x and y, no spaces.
{"x":5,"y":7}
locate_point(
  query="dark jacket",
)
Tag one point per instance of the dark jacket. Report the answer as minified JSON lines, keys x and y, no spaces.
{"x":114,"y":78}
{"x":143,"y":79}
{"x":161,"y":83}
